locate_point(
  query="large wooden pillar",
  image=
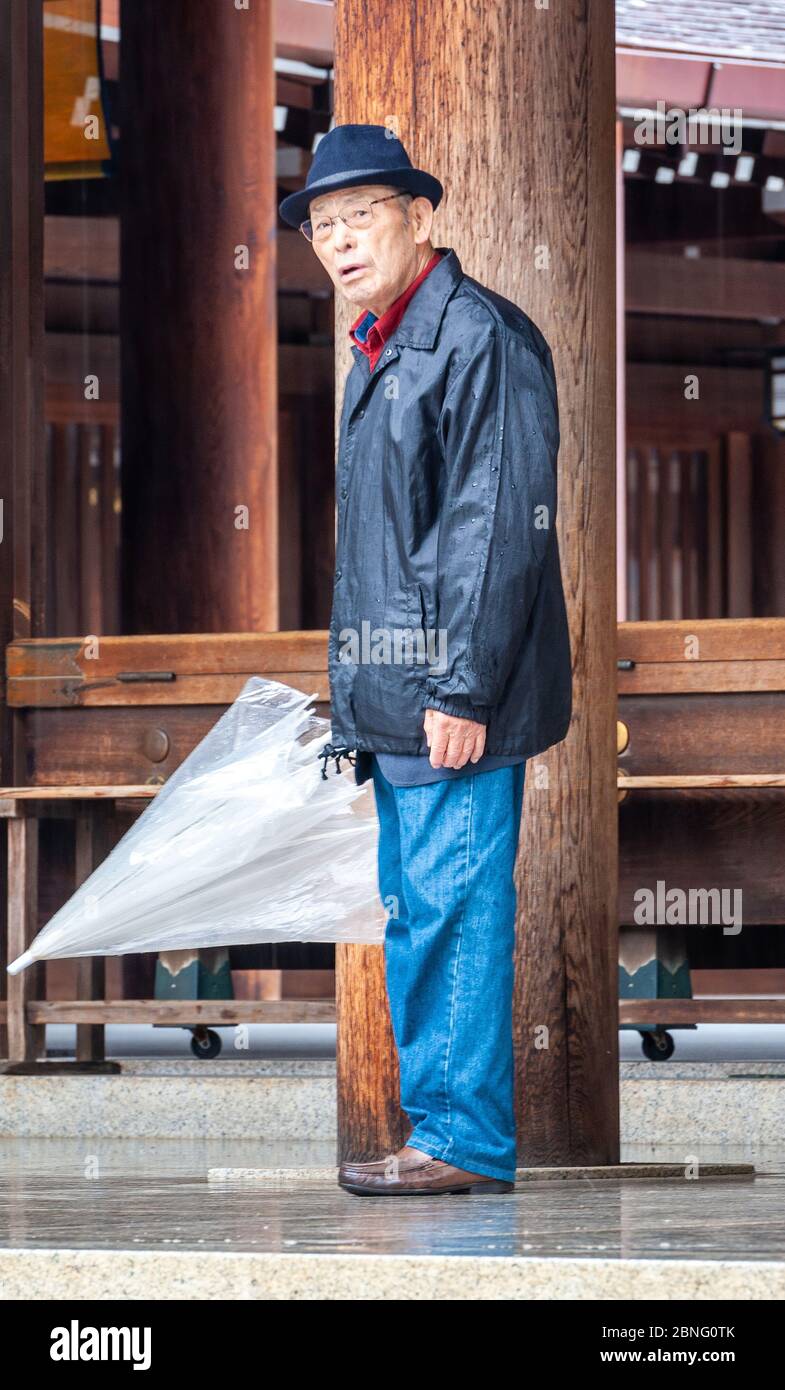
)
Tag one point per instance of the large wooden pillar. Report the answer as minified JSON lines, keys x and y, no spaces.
{"x":22,"y":511}
{"x":512,"y":107}
{"x":198,"y":317}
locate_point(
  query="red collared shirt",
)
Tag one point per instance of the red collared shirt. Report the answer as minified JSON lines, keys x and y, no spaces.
{"x":371,"y":333}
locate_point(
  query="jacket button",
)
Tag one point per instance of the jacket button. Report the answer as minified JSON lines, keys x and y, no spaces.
{"x":337,"y":574}
{"x":344,"y":493}
{"x":361,"y":413}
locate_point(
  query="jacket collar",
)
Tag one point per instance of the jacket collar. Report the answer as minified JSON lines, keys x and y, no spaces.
{"x":423,"y":315}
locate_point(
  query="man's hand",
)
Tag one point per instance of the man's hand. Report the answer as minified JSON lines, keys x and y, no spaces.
{"x":452,"y":741}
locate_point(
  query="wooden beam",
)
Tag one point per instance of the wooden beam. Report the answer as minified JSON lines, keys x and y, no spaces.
{"x":10,"y":796}
{"x":702,"y":677}
{"x":304,"y":31}
{"x":720,"y":640}
{"x":304,"y":370}
{"x":699,"y":781}
{"x":82,"y":248}
{"x":704,"y":287}
{"x":70,"y":359}
{"x":87,"y":249}
{"x":662,"y":400}
{"x":668,"y":1012}
{"x":299,"y":272}
{"x":170,"y":669}
{"x":218,"y":1012}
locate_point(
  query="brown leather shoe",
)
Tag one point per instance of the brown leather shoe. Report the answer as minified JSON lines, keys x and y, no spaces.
{"x":413,"y":1173}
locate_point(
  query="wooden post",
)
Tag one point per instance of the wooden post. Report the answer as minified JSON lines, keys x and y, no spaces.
{"x":92,"y":845}
{"x":26,"y":1041}
{"x":512,"y":107}
{"x":21,"y":376}
{"x":198,"y":318}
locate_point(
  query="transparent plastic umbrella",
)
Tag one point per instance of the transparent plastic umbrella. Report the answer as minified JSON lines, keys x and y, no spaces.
{"x":246,"y":842}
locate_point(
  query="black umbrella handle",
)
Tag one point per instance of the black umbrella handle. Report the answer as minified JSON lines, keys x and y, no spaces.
{"x":335,"y":751}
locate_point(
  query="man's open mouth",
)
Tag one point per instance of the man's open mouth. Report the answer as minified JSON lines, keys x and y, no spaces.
{"x":350,"y":270}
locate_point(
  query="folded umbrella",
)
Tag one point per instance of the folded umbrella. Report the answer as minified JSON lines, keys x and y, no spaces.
{"x":246,"y":842}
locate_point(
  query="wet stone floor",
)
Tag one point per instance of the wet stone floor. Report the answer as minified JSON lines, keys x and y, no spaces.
{"x":121,"y":1194}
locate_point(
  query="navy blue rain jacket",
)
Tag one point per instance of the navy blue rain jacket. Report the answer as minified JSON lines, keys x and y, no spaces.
{"x":448,"y":591}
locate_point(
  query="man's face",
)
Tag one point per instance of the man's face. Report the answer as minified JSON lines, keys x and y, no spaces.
{"x":389,"y":253}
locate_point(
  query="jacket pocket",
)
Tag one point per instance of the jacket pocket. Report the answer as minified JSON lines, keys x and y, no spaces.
{"x":431,"y":647}
{"x":415,"y":606}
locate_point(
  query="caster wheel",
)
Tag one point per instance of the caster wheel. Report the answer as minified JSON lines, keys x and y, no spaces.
{"x":206,"y":1045}
{"x":657,"y":1046}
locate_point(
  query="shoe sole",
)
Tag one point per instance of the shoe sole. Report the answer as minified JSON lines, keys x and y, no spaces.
{"x":362,"y":1190}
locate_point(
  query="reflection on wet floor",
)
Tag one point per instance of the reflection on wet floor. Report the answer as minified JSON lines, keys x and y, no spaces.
{"x":112,"y":1194}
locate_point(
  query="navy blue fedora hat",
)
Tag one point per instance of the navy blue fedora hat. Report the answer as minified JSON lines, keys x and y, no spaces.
{"x":354,"y":154}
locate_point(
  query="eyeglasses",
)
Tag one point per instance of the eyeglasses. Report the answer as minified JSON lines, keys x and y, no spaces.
{"x":357,"y":214}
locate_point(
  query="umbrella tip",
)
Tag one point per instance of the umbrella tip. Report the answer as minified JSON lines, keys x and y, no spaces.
{"x":20,"y":963}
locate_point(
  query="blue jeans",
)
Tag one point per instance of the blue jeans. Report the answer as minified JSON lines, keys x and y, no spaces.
{"x":445,"y":859}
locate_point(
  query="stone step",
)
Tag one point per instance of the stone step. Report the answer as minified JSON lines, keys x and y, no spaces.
{"x":660,"y":1102}
{"x":293,"y":1276}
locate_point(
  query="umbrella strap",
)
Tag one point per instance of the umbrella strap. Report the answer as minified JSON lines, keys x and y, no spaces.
{"x":335,"y":751}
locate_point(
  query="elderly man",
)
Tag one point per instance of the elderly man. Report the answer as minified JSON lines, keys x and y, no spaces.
{"x":446,"y":534}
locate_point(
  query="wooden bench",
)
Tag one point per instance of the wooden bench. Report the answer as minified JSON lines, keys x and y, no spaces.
{"x":139,"y":709}
{"x":27,"y":1011}
{"x":698,"y":700}
{"x":98,"y":727}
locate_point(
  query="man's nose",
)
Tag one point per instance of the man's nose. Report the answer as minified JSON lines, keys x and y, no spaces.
{"x":343,"y":236}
